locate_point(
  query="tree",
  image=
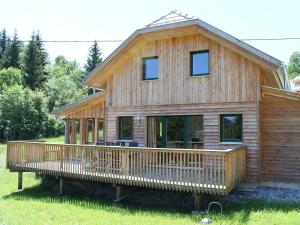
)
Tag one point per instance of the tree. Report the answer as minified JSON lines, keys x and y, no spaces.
{"x":44,"y":54}
{"x":11,"y":55}
{"x":23,"y":113}
{"x":3,"y":43}
{"x":64,"y":83}
{"x":93,"y":60}
{"x":63,"y":67}
{"x":294,"y":65}
{"x":34,"y":63}
{"x":9,"y":77}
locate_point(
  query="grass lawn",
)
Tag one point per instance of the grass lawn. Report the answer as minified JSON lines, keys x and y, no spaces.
{"x":38,"y":204}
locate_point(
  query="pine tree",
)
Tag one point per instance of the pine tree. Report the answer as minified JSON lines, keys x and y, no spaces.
{"x":11,"y":56}
{"x":3,"y":44}
{"x":40,"y":45}
{"x":93,"y":60}
{"x":35,"y":62}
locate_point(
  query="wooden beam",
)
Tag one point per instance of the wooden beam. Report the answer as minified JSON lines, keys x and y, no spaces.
{"x":67,"y":136}
{"x":118,"y":192}
{"x":20,"y":181}
{"x":61,"y":186}
{"x":198,"y":200}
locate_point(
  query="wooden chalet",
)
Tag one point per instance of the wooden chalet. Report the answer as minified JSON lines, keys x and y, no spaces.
{"x":183,"y":106}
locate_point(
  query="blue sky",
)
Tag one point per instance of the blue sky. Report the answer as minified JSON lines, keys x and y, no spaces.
{"x":110,"y":19}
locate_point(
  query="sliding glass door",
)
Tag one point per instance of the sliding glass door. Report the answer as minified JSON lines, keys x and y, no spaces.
{"x":175,"y":132}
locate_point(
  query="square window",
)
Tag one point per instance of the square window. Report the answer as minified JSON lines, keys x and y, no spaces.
{"x":125,"y":128}
{"x":150,"y":68}
{"x":199,"y":63}
{"x":231,"y":128}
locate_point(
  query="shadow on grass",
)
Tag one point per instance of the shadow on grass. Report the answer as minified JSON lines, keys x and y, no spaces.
{"x":100,"y":196}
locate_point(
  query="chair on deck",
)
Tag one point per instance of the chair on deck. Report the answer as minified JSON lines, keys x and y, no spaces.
{"x":133,"y":144}
{"x":121,"y":143}
{"x":108,"y":143}
{"x":100,"y":142}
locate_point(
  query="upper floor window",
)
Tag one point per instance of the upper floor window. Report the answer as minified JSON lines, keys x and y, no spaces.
{"x":125,"y":128}
{"x":199,"y":63}
{"x":231,"y":128}
{"x":150,"y":68}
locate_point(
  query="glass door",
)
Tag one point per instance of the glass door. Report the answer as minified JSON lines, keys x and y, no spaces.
{"x":175,"y":132}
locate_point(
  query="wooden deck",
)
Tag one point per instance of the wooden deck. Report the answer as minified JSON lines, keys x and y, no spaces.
{"x":199,"y":171}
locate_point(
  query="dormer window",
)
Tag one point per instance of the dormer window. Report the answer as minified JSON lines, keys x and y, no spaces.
{"x":199,"y":63}
{"x":150,"y":68}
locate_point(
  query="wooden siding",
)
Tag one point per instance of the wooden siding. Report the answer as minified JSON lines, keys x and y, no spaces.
{"x":211,"y":114}
{"x":280,"y":131}
{"x":232,"y":78}
{"x":90,"y":111}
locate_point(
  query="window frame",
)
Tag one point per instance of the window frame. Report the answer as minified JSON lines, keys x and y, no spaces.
{"x":222,"y":140}
{"x":119,"y":128}
{"x":191,"y":63}
{"x":144,"y":67}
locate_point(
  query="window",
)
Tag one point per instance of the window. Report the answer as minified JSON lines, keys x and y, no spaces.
{"x":231,"y":128}
{"x":101,"y":128}
{"x":150,"y":68}
{"x":199,"y":63}
{"x":125,"y":128}
{"x":90,"y":134}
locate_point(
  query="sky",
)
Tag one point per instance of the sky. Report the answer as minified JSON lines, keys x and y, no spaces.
{"x":116,"y":20}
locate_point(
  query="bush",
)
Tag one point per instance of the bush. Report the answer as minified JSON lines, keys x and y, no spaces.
{"x":54,"y":127}
{"x":10,"y":76}
{"x":23,"y":113}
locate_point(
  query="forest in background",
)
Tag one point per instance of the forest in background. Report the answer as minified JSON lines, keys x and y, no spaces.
{"x":31,"y":87}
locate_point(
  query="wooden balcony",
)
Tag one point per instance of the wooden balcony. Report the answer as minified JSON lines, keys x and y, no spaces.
{"x":199,"y":171}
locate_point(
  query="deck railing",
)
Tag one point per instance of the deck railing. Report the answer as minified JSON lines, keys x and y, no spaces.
{"x":209,"y":171}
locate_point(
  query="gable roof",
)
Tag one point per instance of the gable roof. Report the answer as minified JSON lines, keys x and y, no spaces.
{"x":189,"y":22}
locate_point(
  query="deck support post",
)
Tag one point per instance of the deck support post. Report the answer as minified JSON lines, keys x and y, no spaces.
{"x":61,"y":186}
{"x":198,"y":200}
{"x":118,"y":192}
{"x":20,"y":181}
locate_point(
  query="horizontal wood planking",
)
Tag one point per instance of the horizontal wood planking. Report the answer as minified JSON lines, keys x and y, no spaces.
{"x":206,"y":171}
{"x":211,"y":114}
{"x":232,"y":78}
{"x":280,"y":131}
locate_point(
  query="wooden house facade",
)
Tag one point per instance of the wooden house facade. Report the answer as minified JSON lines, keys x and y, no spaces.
{"x":189,"y":85}
{"x":232,"y":86}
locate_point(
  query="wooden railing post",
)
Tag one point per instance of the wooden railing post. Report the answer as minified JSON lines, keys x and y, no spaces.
{"x":8,"y":152}
{"x":61,"y":155}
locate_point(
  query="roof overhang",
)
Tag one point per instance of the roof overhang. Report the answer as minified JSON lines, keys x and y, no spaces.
{"x":80,"y":104}
{"x":274,"y":92}
{"x":179,"y":29}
